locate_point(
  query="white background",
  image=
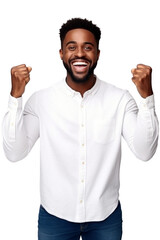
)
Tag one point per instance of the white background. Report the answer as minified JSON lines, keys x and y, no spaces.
{"x":30,"y":34}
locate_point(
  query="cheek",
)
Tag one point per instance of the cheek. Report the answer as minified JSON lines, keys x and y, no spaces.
{"x":93,"y":56}
{"x":95,"y":59}
{"x":66,"y":56}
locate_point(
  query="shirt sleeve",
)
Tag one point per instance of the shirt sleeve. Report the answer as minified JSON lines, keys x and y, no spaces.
{"x":20,"y":129}
{"x":140,"y":127}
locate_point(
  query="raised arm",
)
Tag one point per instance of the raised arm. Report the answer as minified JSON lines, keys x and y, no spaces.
{"x":140,"y":126}
{"x":20,"y":129}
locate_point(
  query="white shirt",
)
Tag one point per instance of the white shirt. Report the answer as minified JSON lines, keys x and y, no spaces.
{"x":80,"y":142}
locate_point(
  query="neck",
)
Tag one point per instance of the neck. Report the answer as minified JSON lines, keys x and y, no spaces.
{"x":81,"y":87}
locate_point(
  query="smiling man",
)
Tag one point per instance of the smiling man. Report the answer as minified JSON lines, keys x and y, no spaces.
{"x":80,"y":122}
{"x":80,"y":58}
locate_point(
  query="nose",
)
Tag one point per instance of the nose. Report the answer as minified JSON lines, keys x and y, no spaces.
{"x":80,"y":52}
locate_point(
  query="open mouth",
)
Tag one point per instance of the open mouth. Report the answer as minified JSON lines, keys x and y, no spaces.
{"x":80,"y":66}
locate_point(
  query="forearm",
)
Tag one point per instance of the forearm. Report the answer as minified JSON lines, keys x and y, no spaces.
{"x":16,"y":140}
{"x":141,"y":129}
{"x":145,"y":138}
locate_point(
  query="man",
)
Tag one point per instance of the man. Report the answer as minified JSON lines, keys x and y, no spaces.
{"x":80,"y":121}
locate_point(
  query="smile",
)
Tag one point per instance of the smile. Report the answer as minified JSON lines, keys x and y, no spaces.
{"x":80,"y":64}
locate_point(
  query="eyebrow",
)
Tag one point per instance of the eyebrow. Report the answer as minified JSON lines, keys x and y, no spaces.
{"x":73,"y":42}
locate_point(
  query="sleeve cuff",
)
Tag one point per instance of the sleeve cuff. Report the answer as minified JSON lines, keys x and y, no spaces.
{"x":14,"y":103}
{"x":147,"y":103}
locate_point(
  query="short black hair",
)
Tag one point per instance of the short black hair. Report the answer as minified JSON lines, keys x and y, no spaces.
{"x":75,"y":23}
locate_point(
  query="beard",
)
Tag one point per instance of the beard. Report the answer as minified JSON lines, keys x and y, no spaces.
{"x":77,"y":79}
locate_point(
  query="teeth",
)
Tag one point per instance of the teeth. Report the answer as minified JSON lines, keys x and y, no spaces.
{"x":80,"y":64}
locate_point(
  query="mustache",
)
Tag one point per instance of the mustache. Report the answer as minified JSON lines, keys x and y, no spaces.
{"x":79,"y":58}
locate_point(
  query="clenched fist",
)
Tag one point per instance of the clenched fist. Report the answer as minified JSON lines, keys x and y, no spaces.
{"x":20,"y":76}
{"x":142,"y":80}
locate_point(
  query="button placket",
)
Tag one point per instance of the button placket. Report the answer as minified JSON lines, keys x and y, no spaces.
{"x":82,"y":172}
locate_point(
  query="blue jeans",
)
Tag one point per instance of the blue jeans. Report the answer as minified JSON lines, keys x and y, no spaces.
{"x":53,"y":228}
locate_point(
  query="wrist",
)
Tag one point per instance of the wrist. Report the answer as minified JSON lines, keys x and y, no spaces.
{"x":15,"y":95}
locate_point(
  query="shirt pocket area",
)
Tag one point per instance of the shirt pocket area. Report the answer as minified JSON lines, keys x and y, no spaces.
{"x":104,"y":131}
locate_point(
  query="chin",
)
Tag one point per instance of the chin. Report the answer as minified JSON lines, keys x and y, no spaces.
{"x":77,"y":79}
{"x":81,"y":80}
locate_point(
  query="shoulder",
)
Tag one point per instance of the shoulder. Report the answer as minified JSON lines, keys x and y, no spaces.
{"x":41,"y":94}
{"x":113,"y":94}
{"x":108,"y":86}
{"x":42,"y":97}
{"x":111,"y":90}
{"x":114,"y":98}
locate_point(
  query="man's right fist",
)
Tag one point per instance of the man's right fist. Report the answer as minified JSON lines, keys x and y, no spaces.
{"x":20,"y":76}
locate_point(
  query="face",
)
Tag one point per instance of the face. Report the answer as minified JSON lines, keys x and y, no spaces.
{"x":79,"y":54}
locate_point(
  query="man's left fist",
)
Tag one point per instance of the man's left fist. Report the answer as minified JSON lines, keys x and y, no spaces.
{"x":142,"y":80}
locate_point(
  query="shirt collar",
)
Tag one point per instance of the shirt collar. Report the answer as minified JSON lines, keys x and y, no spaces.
{"x":69,"y":91}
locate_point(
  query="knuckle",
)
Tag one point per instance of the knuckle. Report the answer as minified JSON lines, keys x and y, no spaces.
{"x":144,"y":76}
{"x":15,"y":74}
{"x":13,"y":70}
{"x":136,"y":75}
{"x":21,"y":66}
{"x":148,"y":71}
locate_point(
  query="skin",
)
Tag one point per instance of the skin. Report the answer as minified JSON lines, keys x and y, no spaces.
{"x":79,"y":46}
{"x":142,"y":78}
{"x":20,"y":76}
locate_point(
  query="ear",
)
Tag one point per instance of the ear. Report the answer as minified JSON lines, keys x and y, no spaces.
{"x":61,"y":54}
{"x":98,"y":54}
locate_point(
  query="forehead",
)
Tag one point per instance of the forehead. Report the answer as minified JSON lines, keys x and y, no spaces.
{"x":79,"y":36}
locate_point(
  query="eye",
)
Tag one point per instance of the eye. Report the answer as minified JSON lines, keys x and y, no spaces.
{"x":88,"y":48}
{"x":71,"y":48}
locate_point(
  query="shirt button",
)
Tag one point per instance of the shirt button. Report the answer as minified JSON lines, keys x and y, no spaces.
{"x":81,"y":201}
{"x":82,"y":125}
{"x":144,"y":105}
{"x":83,"y":163}
{"x":82,"y":144}
{"x":82,"y":181}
